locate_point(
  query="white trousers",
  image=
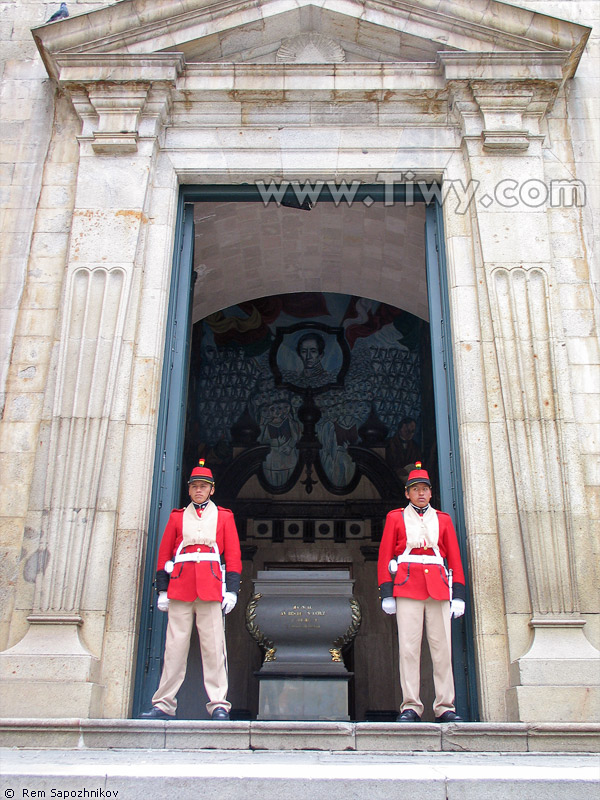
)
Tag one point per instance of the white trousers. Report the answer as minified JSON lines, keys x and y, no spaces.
{"x":211,"y":632}
{"x":410,"y":615}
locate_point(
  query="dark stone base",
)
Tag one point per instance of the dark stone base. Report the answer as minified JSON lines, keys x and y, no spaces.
{"x":296,"y":698}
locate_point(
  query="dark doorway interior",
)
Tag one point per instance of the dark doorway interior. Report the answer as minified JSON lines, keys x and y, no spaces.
{"x":299,"y":400}
{"x":309,"y":408}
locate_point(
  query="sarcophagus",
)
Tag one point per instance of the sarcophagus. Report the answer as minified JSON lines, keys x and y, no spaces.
{"x":303,"y":619}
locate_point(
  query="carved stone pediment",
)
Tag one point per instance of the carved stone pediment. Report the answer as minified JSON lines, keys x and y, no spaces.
{"x":497,"y":54}
{"x":237,"y":31}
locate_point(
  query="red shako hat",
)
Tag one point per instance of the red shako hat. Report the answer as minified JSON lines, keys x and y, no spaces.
{"x":418,"y":475}
{"x":201,"y":473}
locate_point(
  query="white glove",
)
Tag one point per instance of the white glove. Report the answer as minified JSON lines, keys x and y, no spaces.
{"x":229,"y":601}
{"x":163,"y":601}
{"x":457,"y":608}
{"x":388,"y":604}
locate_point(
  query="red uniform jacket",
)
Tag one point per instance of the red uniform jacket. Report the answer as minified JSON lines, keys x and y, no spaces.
{"x":419,"y":581}
{"x":190,"y":580}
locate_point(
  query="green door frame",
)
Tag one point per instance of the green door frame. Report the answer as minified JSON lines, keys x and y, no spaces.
{"x":166,"y":479}
{"x":166,"y":484}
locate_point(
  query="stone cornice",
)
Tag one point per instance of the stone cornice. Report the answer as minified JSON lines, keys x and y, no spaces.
{"x":522,"y":65}
{"x":117,"y":67}
{"x":467,"y":25}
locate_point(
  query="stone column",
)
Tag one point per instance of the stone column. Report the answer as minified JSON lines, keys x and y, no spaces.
{"x":55,"y":670}
{"x":541,"y":503}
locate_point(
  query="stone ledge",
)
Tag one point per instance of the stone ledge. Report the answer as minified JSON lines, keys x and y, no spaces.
{"x":254,"y":775}
{"x":476,"y":737}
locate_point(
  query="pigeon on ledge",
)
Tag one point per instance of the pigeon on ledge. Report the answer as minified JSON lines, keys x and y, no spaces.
{"x":62,"y":13}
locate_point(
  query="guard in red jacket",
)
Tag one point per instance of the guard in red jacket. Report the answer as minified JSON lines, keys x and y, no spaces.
{"x":192,"y":584}
{"x":421,"y":578}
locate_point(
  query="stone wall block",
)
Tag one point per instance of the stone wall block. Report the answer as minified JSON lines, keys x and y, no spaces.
{"x":491,"y":652}
{"x":110,"y":480}
{"x":126,"y":557}
{"x":471,"y":388}
{"x":17,"y":437}
{"x":145,"y":375}
{"x":579,"y":322}
{"x":112,"y":183}
{"x":118,"y":666}
{"x":98,"y":567}
{"x":505,"y":234}
{"x":459,"y":252}
{"x":136,"y":469}
{"x":24,"y":408}
{"x":476,"y":458}
{"x":487,"y":600}
{"x":114,"y":233}
{"x":514,"y":573}
{"x":587,"y":561}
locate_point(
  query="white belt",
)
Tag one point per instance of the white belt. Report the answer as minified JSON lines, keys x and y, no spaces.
{"x":196,"y":557}
{"x":408,"y":559}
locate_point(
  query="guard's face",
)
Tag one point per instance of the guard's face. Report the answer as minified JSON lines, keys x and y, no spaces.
{"x":419,"y":494}
{"x":200,"y":491}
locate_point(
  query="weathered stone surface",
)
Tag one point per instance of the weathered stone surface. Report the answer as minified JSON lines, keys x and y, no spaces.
{"x":491,"y":110}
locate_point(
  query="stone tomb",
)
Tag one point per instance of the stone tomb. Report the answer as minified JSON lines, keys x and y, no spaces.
{"x":303,"y":619}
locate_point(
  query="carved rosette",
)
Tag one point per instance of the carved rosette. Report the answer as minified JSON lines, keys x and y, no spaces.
{"x":310,"y":48}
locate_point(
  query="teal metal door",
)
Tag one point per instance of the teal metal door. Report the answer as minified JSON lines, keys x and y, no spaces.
{"x":166,"y":482}
{"x":167,"y":479}
{"x":451,"y":492}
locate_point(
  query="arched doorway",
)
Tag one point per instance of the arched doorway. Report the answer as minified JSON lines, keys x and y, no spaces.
{"x":307,"y":404}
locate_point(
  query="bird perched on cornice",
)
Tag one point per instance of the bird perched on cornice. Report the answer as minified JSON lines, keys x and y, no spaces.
{"x":62,"y":13}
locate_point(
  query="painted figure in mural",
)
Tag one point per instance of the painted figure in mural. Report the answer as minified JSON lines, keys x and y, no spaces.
{"x":280,"y":430}
{"x":311,"y":349}
{"x":337,"y":430}
{"x":416,"y":586}
{"x":402,"y":450}
{"x":191,"y":585}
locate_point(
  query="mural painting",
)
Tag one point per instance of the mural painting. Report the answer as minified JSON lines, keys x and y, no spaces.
{"x":308,"y":372}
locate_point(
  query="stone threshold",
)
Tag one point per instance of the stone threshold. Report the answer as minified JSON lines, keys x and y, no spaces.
{"x":473,"y":737}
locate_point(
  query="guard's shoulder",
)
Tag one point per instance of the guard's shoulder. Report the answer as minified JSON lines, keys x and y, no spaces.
{"x":442,"y":514}
{"x":224,"y":510}
{"x":178,"y":511}
{"x":395,"y":512}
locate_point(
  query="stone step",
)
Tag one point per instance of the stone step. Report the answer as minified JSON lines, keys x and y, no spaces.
{"x":139,"y":774}
{"x":473,"y":737}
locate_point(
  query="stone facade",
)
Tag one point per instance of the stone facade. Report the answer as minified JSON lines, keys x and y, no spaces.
{"x":120,"y":104}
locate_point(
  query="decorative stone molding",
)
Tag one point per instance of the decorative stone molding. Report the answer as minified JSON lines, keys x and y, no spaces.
{"x":560,"y":658}
{"x":119,"y":98}
{"x":522,"y":322}
{"x":310,"y":48}
{"x":89,"y":357}
{"x":118,"y":107}
{"x":502,"y":97}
